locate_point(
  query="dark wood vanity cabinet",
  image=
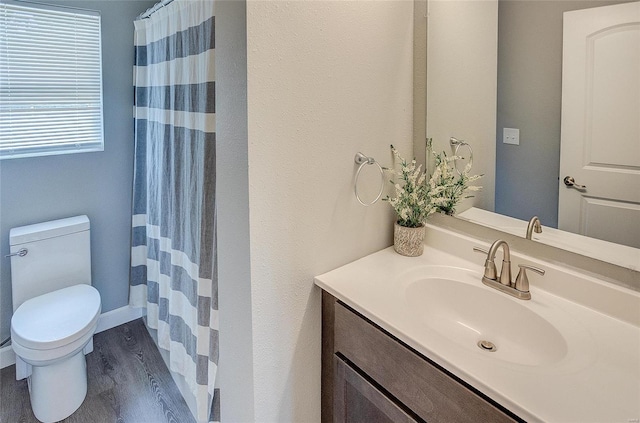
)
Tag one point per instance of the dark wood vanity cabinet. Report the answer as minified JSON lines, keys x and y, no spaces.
{"x":370,"y":376}
{"x":358,"y":400}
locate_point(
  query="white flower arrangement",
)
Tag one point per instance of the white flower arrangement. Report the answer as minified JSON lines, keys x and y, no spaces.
{"x":412,"y":202}
{"x":415,"y":199}
{"x":445,"y":189}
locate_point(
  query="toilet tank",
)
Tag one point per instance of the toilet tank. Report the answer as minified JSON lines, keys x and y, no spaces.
{"x":58,"y":256}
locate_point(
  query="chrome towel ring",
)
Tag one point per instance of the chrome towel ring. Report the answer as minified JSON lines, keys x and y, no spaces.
{"x":460,"y":143}
{"x":363,"y":160}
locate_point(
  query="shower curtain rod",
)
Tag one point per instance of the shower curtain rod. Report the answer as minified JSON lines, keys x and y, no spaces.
{"x":147,"y":14}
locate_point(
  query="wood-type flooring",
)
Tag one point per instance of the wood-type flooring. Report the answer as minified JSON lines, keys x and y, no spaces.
{"x":128,"y":382}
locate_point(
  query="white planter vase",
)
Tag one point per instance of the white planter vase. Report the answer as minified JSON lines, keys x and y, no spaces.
{"x":408,"y":241}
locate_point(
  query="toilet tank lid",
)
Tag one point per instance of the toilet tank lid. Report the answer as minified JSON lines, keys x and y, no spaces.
{"x":45,"y":230}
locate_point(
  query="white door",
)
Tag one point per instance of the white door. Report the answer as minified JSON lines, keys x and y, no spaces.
{"x":600,"y":136}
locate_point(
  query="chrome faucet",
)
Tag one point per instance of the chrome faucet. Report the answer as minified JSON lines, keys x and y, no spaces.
{"x":534,"y":226}
{"x":518,"y":288}
{"x":490,"y":266}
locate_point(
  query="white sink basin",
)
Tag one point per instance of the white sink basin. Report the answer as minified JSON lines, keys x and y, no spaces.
{"x":570,"y":354}
{"x":453,"y":303}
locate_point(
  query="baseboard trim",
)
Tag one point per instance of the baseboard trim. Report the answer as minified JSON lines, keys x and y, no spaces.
{"x":117,"y":317}
{"x":7,"y":357}
{"x":107,"y":320}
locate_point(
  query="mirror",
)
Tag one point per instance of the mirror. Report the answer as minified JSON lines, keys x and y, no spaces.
{"x":521,"y":41}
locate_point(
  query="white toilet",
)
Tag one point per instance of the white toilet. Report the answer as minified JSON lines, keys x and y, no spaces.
{"x":55,"y":313}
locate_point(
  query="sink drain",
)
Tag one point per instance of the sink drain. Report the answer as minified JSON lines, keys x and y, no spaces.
{"x":487,"y":346}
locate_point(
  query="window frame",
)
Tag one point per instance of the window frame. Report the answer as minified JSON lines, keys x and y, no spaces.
{"x":94,"y":140}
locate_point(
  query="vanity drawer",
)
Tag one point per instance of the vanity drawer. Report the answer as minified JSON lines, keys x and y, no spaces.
{"x":428,"y":391}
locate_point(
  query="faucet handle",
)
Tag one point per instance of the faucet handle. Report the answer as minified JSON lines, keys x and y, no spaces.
{"x":480,"y":250}
{"x":490,"y":271}
{"x":522,"y":281}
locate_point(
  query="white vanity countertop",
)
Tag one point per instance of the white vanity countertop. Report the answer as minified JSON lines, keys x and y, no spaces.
{"x":597,"y":380}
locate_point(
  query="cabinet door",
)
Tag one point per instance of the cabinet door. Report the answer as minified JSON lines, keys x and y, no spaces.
{"x":429,"y":392}
{"x":358,"y":401}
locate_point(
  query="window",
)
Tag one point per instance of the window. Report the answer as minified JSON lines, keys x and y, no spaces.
{"x":50,"y":80}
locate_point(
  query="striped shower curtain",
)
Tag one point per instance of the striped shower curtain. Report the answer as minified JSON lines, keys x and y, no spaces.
{"x":173,"y":254}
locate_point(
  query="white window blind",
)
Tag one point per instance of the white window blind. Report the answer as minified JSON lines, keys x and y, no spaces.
{"x":50,"y":81}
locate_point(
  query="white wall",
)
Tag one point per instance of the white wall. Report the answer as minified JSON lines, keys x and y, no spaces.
{"x":235,"y":370}
{"x":325,"y":80}
{"x":462,"y":48}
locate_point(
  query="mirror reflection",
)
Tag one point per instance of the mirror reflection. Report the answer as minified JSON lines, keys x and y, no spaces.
{"x":567,"y":106}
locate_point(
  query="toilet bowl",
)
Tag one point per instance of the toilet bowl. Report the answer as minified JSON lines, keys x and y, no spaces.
{"x":55,"y":313}
{"x":50,"y":333}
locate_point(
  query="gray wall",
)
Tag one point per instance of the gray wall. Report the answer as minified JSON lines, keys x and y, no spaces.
{"x":529,"y":98}
{"x":235,"y":376}
{"x":96,"y":184}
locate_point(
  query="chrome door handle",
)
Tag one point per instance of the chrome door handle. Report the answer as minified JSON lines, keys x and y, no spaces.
{"x":571,"y":183}
{"x":20,"y":253}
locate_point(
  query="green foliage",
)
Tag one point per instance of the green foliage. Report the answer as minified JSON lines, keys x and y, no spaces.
{"x":412,"y":201}
{"x":416,"y":199}
{"x":446,"y":188}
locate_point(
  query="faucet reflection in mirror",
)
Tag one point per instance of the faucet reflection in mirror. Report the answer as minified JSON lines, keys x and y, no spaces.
{"x":533,"y":226}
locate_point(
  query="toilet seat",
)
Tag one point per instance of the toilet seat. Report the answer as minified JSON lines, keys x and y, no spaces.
{"x":56,"y":319}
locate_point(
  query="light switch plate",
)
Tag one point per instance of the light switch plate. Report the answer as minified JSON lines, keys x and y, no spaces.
{"x":511,"y":136}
